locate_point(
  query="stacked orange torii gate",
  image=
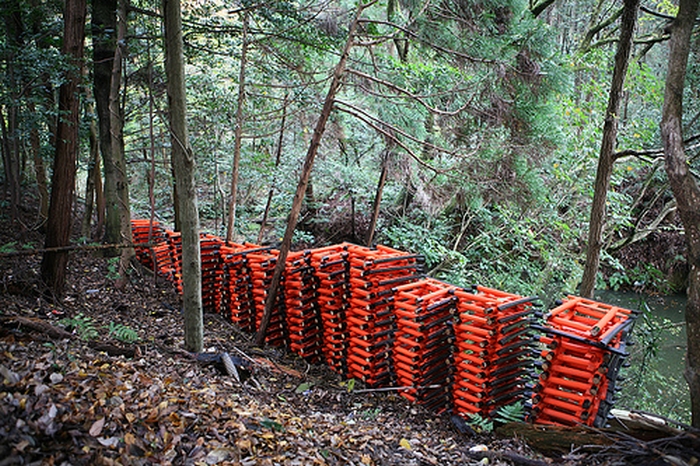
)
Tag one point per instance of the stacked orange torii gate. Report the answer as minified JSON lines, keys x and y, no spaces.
{"x":372,"y":315}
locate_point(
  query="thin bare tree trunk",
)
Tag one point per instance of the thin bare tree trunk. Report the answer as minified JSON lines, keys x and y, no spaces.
{"x":99,"y":200}
{"x":278,"y":157}
{"x":320,"y":128}
{"x":184,"y":167}
{"x":15,"y":42}
{"x":606,"y":159}
{"x":58,"y":225}
{"x":377,"y":200}
{"x":238,"y":132}
{"x":39,"y":170}
{"x":152,"y":147}
{"x":685,"y":187}
{"x":90,"y":192}
{"x":116,"y":124}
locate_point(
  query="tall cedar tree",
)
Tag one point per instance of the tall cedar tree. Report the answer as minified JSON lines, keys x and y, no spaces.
{"x":58,"y":227}
{"x":685,"y":187}
{"x":184,"y":168}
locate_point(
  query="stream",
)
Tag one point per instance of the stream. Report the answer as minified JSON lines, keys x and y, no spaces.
{"x":660,"y":388}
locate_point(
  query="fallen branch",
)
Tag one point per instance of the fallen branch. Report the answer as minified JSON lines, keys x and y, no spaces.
{"x":74,"y":247}
{"x":393,"y":389}
{"x":57,"y":333}
{"x":38,"y":325}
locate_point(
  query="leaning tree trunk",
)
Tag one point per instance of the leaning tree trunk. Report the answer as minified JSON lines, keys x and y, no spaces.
{"x":685,"y":188}
{"x":320,"y":128}
{"x":607,"y":149}
{"x":184,"y":167}
{"x":58,"y":225}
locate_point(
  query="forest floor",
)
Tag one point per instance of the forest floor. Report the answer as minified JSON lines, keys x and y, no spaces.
{"x":68,"y":397}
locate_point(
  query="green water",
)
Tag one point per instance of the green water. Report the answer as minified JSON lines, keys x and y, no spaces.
{"x":655,"y":379}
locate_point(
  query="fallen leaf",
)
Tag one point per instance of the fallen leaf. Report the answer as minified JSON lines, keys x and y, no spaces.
{"x":217,"y":456}
{"x":97,"y":426}
{"x":129,"y":438}
{"x":303,"y":387}
{"x":405,"y":443}
{"x":110,"y":442}
{"x":22,"y":445}
{"x":11,"y":377}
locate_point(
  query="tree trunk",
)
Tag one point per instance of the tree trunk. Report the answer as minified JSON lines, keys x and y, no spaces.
{"x":238,"y":132}
{"x":93,"y":170}
{"x":99,"y":198}
{"x":607,"y":149}
{"x":338,"y":75}
{"x":377,"y":200}
{"x":116,"y":113}
{"x":685,"y":188}
{"x":15,"y":32}
{"x":278,"y":157}
{"x":184,"y":166}
{"x":58,"y":226}
{"x":104,"y":38}
{"x":39,"y":170}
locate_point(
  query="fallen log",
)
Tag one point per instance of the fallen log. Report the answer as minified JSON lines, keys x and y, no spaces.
{"x":553,"y":439}
{"x":57,"y":333}
{"x":38,"y":325}
{"x":625,"y":428}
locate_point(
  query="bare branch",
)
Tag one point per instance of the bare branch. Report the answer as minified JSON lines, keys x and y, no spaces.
{"x":539,"y":8}
{"x":392,"y":137}
{"x":407,"y":93}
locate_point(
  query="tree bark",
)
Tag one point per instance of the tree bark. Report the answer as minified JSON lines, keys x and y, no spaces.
{"x":58,"y":226}
{"x":377,"y":200}
{"x":278,"y":157}
{"x":15,"y":32}
{"x":90,"y":184}
{"x":39,"y":170}
{"x":684,"y":186}
{"x":606,"y":159}
{"x":184,"y":167}
{"x":104,"y":38}
{"x":116,"y":114}
{"x":238,"y":132}
{"x":320,"y":128}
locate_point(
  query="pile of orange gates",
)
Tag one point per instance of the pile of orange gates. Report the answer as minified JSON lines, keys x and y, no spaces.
{"x":371,"y":314}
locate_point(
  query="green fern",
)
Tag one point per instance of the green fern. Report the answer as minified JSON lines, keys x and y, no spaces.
{"x":510,"y":413}
{"x":9,"y":247}
{"x":83,"y":326}
{"x":123,"y":333}
{"x":480,"y":424}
